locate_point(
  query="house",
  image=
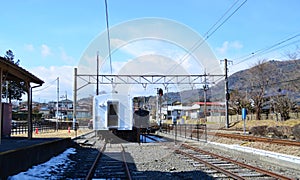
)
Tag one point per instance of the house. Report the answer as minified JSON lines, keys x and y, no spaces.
{"x":195,"y":111}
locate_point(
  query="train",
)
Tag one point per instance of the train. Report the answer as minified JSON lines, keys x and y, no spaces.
{"x":115,"y":118}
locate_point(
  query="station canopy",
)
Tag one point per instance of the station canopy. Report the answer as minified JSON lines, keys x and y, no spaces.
{"x":13,"y":72}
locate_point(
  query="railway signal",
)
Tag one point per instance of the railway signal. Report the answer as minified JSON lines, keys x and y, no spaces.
{"x":160,"y":92}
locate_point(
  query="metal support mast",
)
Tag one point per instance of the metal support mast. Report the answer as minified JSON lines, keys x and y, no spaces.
{"x":57,"y":104}
{"x":75,"y":101}
{"x":97,"y":90}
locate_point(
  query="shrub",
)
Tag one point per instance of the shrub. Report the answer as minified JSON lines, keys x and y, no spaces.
{"x":275,"y":131}
{"x":259,"y":130}
{"x":296,"y":132}
{"x":285,"y":130}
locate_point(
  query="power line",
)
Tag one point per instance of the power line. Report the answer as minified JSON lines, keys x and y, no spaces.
{"x":270,"y":84}
{"x":268,"y":49}
{"x":50,"y":84}
{"x":208,"y":34}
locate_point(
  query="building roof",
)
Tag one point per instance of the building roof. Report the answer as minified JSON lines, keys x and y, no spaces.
{"x":210,"y":103}
{"x":14,"y":72}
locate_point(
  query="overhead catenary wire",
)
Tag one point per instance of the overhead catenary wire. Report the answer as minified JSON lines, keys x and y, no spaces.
{"x":208,"y":34}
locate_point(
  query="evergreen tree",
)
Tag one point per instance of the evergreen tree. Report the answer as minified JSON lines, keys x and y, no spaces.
{"x":13,"y":89}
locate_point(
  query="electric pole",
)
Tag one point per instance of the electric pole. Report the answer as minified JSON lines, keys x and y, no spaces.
{"x":227,"y":95}
{"x":205,"y":88}
{"x":97,"y":90}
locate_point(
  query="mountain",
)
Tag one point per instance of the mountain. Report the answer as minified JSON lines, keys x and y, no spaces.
{"x":275,"y":75}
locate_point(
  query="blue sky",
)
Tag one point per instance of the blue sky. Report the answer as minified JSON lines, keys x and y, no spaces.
{"x":50,"y":36}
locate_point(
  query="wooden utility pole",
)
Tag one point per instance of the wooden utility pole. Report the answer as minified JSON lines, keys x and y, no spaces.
{"x":226,"y":94}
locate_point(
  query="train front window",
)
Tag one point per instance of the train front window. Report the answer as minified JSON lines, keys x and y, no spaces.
{"x":113,"y":109}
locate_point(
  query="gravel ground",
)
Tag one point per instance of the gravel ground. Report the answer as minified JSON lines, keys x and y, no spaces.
{"x":255,"y":161}
{"x":156,"y":161}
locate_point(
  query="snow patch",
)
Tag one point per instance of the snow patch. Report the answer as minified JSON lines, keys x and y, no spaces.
{"x":56,"y":165}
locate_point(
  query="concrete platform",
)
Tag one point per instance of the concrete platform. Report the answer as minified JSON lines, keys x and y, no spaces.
{"x":14,"y":143}
{"x":18,"y":154}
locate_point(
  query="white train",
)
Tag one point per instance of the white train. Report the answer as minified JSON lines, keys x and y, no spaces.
{"x":112,"y":111}
{"x":114,"y":114}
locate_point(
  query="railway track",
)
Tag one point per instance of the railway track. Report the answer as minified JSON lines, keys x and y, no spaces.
{"x":258,"y":139}
{"x":190,"y":131}
{"x":111,"y":163}
{"x":250,"y":138}
{"x":223,"y":167}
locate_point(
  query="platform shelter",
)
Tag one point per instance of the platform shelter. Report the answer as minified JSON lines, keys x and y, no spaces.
{"x":12,"y":72}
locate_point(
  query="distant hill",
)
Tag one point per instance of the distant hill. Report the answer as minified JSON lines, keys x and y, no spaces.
{"x":277,"y":74}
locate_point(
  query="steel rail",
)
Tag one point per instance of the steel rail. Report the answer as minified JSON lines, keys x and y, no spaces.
{"x":269,"y":173}
{"x":252,"y":138}
{"x":125,"y":164}
{"x":260,"y":139}
{"x":93,"y":168}
{"x":219,"y":169}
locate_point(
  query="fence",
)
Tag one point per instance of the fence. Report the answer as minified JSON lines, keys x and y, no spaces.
{"x":46,"y":126}
{"x":187,"y":131}
{"x":22,"y":127}
{"x":235,"y":118}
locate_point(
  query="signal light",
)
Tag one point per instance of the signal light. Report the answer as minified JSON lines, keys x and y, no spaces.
{"x":160,"y":92}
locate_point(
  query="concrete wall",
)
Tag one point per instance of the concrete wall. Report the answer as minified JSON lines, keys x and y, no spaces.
{"x":18,"y":160}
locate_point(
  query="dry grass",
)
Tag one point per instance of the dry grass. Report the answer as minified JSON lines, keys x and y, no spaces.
{"x":269,"y":123}
{"x":56,"y":134}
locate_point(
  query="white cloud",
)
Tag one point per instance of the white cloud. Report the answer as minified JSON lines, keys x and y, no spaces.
{"x":227,"y":46}
{"x":236,"y":45}
{"x":45,"y":50}
{"x":48,"y":91}
{"x":65,"y":57}
{"x":29,"y":47}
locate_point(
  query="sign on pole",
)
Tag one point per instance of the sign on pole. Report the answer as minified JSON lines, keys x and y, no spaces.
{"x":244,"y":116}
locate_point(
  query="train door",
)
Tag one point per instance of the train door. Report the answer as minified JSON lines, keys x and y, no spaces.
{"x":113,"y":114}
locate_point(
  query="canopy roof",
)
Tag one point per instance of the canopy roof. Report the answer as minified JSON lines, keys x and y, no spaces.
{"x":14,"y":72}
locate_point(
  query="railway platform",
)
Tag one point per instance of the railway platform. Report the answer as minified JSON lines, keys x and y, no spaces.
{"x":17,"y":154}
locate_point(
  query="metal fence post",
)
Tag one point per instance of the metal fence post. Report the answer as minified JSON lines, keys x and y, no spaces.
{"x":179,"y":129}
{"x":205,"y":133}
{"x":197,"y":127}
{"x":191,"y":131}
{"x":185,"y":131}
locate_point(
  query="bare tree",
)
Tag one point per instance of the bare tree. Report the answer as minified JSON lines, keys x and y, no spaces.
{"x":293,"y":55}
{"x":283,"y":105}
{"x":259,"y":77}
{"x":238,"y":100}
